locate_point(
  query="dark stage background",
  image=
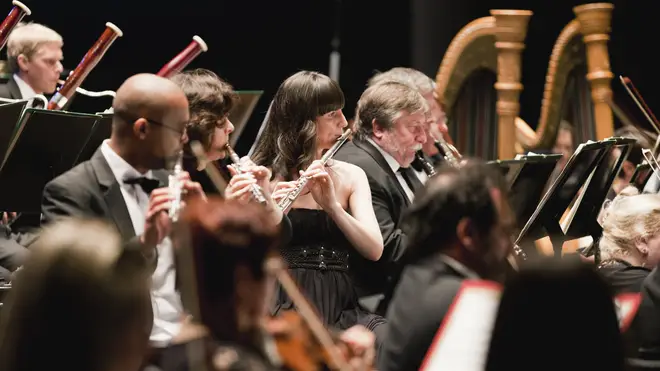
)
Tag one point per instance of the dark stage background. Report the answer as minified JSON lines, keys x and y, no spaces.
{"x":255,"y":45}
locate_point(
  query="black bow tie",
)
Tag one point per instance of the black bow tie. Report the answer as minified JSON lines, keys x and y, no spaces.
{"x":147,"y":184}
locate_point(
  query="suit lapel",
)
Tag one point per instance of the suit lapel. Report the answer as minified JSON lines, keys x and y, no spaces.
{"x":112,"y":196}
{"x":378,"y":157}
{"x":14,"y":91}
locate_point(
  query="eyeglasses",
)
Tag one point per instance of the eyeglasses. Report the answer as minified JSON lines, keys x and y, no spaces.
{"x":129,"y":117}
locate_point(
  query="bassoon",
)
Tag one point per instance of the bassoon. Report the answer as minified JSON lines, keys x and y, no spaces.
{"x":13,"y":18}
{"x":178,"y":63}
{"x":86,"y":65}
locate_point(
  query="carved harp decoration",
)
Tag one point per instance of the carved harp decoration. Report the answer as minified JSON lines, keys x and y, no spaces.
{"x":492,"y":44}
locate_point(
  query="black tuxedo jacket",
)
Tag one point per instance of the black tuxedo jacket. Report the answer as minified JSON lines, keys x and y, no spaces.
{"x":91,"y":190}
{"x":421,"y":301}
{"x":10,"y":90}
{"x":389,"y":201}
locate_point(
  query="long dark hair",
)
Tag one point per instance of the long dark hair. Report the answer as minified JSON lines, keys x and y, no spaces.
{"x":288,"y":142}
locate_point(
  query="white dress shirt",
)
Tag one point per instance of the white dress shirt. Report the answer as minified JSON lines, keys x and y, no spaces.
{"x":165,"y":300}
{"x":394,"y":164}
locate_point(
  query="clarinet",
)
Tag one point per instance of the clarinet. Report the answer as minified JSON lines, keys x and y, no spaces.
{"x":518,"y":251}
{"x":86,"y":65}
{"x":426,"y":166}
{"x":256,"y":191}
{"x":17,"y":13}
{"x":178,"y":63}
{"x":288,"y":200}
{"x":176,"y":189}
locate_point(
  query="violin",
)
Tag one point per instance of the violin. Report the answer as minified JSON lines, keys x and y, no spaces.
{"x":231,"y":234}
{"x":296,"y":345}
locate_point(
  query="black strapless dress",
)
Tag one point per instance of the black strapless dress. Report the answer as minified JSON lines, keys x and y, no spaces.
{"x":318,"y":261}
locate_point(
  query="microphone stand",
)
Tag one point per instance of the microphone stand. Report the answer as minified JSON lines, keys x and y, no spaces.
{"x":335,"y":56}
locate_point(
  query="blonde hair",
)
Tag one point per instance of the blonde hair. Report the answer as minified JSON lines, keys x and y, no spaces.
{"x":629,"y":218}
{"x":26,"y":39}
{"x":75,"y":300}
{"x":405,"y":75}
{"x":384,"y":103}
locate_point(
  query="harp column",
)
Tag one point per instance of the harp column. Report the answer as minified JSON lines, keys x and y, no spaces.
{"x":510,"y":32}
{"x":595,"y":25}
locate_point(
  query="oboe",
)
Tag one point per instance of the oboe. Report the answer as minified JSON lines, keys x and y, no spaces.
{"x":176,"y":189}
{"x":256,"y":191}
{"x":288,"y":200}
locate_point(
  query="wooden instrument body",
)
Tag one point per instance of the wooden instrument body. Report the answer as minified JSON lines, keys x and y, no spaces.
{"x":183,"y":59}
{"x":17,"y":13}
{"x":86,"y":65}
{"x":578,"y":82}
{"x":484,"y":54}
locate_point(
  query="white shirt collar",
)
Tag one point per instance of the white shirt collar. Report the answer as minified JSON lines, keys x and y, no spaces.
{"x":459,"y":267}
{"x":26,"y":90}
{"x":120,"y":168}
{"x":394,"y":164}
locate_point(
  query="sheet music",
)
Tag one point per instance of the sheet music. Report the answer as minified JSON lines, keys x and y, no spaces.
{"x":463,"y":340}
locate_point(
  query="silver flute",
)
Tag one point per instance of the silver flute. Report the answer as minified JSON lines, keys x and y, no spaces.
{"x":288,"y":200}
{"x":176,"y":189}
{"x":257,"y":194}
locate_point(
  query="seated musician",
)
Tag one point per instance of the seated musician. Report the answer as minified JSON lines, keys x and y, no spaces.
{"x":391,"y":119}
{"x":124,"y":182}
{"x":332,"y":218}
{"x":630,"y":245}
{"x":436,"y":124}
{"x":34,"y":55}
{"x":459,"y":227}
{"x":210,"y":100}
{"x":635,"y":157}
{"x":230,"y":284}
{"x":81,"y":302}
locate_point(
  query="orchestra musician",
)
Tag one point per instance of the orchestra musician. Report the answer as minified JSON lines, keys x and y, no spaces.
{"x":124,"y":183}
{"x":34,"y":59}
{"x":643,"y":139}
{"x":459,"y":228}
{"x":210,"y":100}
{"x":34,"y":55}
{"x":436,"y":123}
{"x":390,"y":121}
{"x":332,"y":218}
{"x":104,"y":321}
{"x":630,"y":244}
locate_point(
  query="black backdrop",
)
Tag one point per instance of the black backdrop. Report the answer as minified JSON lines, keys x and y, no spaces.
{"x":257,"y":44}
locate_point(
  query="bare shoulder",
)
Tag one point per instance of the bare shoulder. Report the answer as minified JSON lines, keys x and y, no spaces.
{"x":348,"y":170}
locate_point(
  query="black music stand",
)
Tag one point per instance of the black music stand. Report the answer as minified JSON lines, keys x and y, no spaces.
{"x":101,"y":131}
{"x":545,"y":221}
{"x":241,"y":113}
{"x":10,"y":113}
{"x":527,"y":177}
{"x":641,"y":176}
{"x":46,"y":144}
{"x":583,"y":219}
